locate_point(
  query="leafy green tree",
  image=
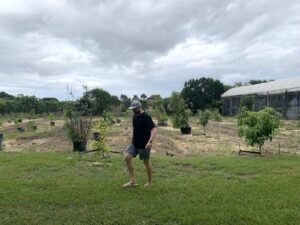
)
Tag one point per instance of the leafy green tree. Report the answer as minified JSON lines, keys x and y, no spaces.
{"x":98,"y":100}
{"x":2,"y":107}
{"x":115,"y":103}
{"x":143,"y":96}
{"x":5,"y":95}
{"x":202,"y":93}
{"x":28,"y":104}
{"x":258,"y":127}
{"x":135,"y":97}
{"x":253,"y":82}
{"x":125,"y":102}
{"x":204,"y":117}
{"x":49,"y":105}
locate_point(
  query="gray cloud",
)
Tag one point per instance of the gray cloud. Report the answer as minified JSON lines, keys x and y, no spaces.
{"x":144,"y":46}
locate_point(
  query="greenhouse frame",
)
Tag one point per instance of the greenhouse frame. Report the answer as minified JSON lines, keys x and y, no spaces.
{"x":281,"y":95}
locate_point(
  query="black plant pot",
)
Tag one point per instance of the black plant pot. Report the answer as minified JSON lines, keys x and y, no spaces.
{"x":162,"y":124}
{"x":79,"y":146}
{"x":21,"y":129}
{"x":186,"y":130}
{"x":96,"y":136}
{"x":52,"y":123}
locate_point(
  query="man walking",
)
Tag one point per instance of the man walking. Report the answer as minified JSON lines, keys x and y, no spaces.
{"x":144,"y":132}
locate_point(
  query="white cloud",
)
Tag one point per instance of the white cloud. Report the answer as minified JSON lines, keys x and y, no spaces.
{"x":151,"y":46}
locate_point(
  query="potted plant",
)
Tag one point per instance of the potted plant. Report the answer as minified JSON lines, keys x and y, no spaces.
{"x":31,"y":126}
{"x":181,"y":120}
{"x":78,"y":128}
{"x":51,"y":118}
{"x":78,"y":122}
{"x":96,"y":136}
{"x":162,"y":120}
{"x":181,"y":114}
{"x":160,"y":111}
{"x":21,"y":129}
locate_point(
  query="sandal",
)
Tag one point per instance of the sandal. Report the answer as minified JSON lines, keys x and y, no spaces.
{"x":147,"y":185}
{"x":130,"y":184}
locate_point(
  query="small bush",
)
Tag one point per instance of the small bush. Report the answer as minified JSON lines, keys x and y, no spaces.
{"x":258,"y":127}
{"x":30,"y":126}
{"x":100,"y":145}
{"x":216,"y":116}
{"x":204,"y":117}
{"x":108,"y":118}
{"x":181,"y":113}
{"x":159,"y":110}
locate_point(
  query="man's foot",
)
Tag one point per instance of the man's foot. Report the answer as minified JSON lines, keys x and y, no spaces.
{"x":131,"y":184}
{"x":147,"y":185}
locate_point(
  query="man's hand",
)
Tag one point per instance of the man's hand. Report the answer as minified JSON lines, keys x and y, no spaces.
{"x":148,"y":146}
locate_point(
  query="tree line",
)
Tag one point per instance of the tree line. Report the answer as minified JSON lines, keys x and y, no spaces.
{"x":28,"y":104}
{"x":198,"y":94}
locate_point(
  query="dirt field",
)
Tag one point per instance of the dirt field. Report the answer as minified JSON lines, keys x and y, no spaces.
{"x":220,"y":138}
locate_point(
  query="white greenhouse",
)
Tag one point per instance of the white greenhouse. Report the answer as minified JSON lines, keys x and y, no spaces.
{"x":281,"y":95}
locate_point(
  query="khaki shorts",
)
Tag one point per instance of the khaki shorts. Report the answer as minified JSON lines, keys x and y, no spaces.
{"x":143,"y":153}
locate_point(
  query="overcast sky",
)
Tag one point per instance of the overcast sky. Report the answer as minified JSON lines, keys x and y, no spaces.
{"x":144,"y":46}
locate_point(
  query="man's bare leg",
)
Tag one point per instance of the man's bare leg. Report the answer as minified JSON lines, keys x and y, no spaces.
{"x":128,"y":160}
{"x":149,"y":172}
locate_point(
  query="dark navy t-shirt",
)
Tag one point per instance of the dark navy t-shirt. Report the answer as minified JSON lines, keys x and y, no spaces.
{"x":142,"y":126}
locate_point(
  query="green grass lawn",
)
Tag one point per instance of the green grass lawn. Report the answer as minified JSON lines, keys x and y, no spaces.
{"x":61,"y":188}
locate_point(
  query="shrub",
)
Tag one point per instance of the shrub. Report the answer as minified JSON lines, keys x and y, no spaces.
{"x":159,"y":110}
{"x":30,"y":126}
{"x":204,"y":117}
{"x":181,"y":114}
{"x":108,"y":118}
{"x":51,"y":117}
{"x":78,"y":118}
{"x":257,"y":127}
{"x":216,"y":116}
{"x":100,"y":145}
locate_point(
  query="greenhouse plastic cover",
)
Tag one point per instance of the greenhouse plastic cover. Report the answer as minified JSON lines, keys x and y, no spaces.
{"x":273,"y":87}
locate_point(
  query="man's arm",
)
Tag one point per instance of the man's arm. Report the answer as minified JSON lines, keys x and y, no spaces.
{"x":151,"y":139}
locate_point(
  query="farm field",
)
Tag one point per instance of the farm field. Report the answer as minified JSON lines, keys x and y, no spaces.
{"x":221,"y":138}
{"x":204,"y":182}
